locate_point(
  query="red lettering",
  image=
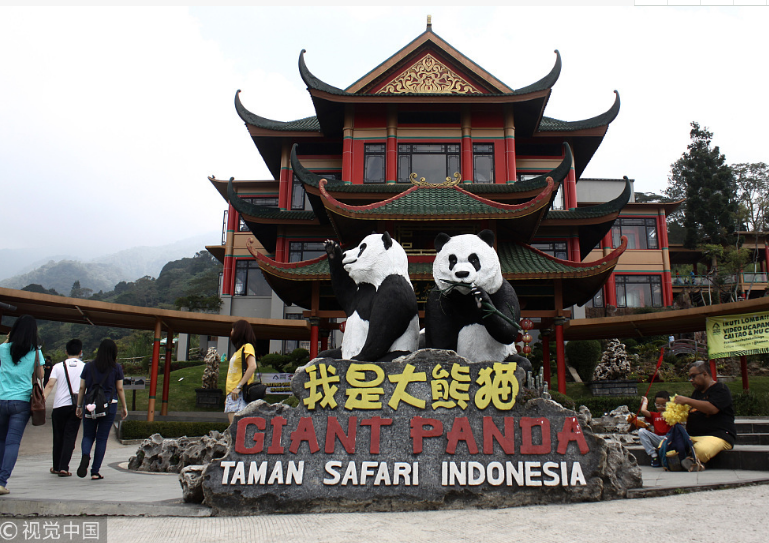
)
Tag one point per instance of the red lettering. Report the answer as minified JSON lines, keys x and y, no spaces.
{"x":334,"y":431}
{"x":461,"y":431}
{"x":491,"y":433}
{"x":240,"y":439}
{"x":305,"y":431}
{"x":571,"y":431}
{"x":376,"y":424}
{"x":527,"y":445}
{"x":277,"y":429}
{"x":418,"y":431}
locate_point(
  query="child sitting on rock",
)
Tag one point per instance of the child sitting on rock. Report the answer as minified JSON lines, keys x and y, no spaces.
{"x":651,"y":439}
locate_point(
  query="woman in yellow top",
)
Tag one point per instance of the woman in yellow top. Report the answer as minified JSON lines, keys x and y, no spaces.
{"x":243,"y":338}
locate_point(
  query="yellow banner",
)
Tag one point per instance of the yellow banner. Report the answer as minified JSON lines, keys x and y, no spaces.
{"x":738,"y":335}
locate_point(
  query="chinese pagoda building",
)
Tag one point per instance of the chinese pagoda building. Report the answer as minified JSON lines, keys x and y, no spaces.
{"x":429,"y":142}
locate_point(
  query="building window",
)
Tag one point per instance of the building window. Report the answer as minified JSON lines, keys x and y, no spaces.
{"x":639,"y":290}
{"x":557,"y":202}
{"x":640,"y":233}
{"x":249,"y":279}
{"x":374,"y":163}
{"x":483,"y":163}
{"x":433,"y":161}
{"x":553,"y":248}
{"x":264,"y":201}
{"x":299,"y":199}
{"x":597,"y":300}
{"x":305,"y":250}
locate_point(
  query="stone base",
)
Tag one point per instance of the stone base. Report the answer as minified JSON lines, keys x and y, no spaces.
{"x":624,"y":387}
{"x":207,"y":397}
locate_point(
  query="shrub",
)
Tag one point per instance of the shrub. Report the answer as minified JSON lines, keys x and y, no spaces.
{"x":584,"y":356}
{"x":276,"y":361}
{"x":291,"y":401}
{"x":751,"y":405}
{"x":563,"y":399}
{"x":141,"y":429}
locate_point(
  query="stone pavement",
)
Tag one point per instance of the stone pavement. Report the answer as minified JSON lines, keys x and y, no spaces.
{"x":142,"y":506}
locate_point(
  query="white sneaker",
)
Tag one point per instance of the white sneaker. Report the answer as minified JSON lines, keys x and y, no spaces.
{"x":4,"y":491}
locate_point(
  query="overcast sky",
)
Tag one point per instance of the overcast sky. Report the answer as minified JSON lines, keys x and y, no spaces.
{"x":111,"y":119}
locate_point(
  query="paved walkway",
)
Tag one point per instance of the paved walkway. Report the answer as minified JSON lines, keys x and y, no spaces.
{"x":143,"y":506}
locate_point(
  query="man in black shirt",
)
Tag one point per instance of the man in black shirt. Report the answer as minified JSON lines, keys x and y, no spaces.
{"x":711,"y":414}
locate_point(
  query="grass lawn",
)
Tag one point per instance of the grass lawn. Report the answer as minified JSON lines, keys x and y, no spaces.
{"x":181,"y":392}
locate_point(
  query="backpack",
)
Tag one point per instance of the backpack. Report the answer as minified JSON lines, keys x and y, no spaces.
{"x":98,"y":399}
{"x":677,"y":440}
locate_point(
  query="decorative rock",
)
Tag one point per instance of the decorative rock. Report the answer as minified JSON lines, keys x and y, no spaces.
{"x":614,"y":422}
{"x":615,"y":363}
{"x":157,"y":454}
{"x":211,"y":373}
{"x":191,"y":479}
{"x":376,"y":437}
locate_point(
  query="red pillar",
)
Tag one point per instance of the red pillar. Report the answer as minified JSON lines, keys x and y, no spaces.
{"x":713,"y":370}
{"x":347,"y":145}
{"x":314,"y":333}
{"x":512,"y":168}
{"x":662,"y":240}
{"x":324,"y":340}
{"x":546,"y":355}
{"x":167,"y":372}
{"x":570,"y":187}
{"x":744,"y":371}
{"x":391,"y":163}
{"x":560,"y":354}
{"x":467,"y":159}
{"x":154,"y":372}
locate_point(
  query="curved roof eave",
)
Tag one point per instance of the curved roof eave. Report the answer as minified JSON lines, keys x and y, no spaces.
{"x":597,"y":211}
{"x":306,"y":176}
{"x":306,"y":124}
{"x":546,"y":82}
{"x":313,"y":82}
{"x":604,"y":119}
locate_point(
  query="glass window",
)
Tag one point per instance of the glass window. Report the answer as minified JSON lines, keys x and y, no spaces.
{"x":639,"y":290}
{"x":483,"y":163}
{"x":374,"y":163}
{"x":553,"y":248}
{"x":305,"y":250}
{"x":433,"y":161}
{"x":597,"y":300}
{"x":264,"y":201}
{"x":640,"y":233}
{"x":249,"y":279}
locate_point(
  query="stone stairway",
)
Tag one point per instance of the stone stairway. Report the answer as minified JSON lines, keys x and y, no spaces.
{"x":751,"y":452}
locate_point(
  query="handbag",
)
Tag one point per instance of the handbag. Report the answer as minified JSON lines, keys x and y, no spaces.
{"x":37,"y":400}
{"x":253,"y":391}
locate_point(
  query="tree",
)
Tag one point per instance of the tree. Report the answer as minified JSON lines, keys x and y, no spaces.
{"x":80,"y":292}
{"x":707,"y":182}
{"x":752,"y":181}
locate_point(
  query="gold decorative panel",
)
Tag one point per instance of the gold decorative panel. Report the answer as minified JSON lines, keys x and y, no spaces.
{"x":429,"y":75}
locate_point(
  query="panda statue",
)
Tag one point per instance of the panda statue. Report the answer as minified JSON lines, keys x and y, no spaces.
{"x":371,"y":283}
{"x":468,"y":276}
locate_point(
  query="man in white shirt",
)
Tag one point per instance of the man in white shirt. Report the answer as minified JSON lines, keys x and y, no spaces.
{"x":63,"y":418}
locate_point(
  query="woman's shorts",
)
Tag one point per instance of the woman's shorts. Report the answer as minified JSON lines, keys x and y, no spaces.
{"x":233,"y":406}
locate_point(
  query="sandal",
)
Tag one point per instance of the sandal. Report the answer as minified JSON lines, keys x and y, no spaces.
{"x":96,"y":477}
{"x":53,"y":471}
{"x":82,"y":470}
{"x":63,"y":473}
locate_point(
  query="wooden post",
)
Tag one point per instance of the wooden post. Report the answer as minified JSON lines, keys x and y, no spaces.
{"x":167,"y":372}
{"x":154,"y":372}
{"x":560,"y":354}
{"x":744,"y":371}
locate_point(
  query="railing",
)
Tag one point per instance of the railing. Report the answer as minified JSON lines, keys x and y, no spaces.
{"x":705,"y":280}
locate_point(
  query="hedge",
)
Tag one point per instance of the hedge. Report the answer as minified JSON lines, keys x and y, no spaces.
{"x":141,"y":429}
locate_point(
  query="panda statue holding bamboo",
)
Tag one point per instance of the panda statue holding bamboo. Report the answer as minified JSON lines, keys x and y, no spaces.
{"x":371,"y":283}
{"x":472,"y":310}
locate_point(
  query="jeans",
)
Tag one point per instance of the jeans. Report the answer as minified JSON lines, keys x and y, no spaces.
{"x":650,"y":441}
{"x":14,"y":415}
{"x":97,"y":430}
{"x":65,"y":428}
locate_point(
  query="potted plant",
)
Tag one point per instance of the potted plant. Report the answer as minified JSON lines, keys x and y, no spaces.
{"x":210,"y":395}
{"x":610,"y":377}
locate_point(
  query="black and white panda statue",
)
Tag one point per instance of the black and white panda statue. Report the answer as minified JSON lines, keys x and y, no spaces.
{"x":371,"y":283}
{"x":467,"y":273}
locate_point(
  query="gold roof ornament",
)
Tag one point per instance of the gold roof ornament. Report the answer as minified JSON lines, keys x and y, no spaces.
{"x":423,"y":183}
{"x":429,"y":22}
{"x":429,"y":76}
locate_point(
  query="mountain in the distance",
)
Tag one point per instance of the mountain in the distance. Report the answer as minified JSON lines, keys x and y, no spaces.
{"x":103,"y":273}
